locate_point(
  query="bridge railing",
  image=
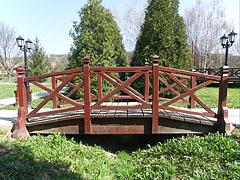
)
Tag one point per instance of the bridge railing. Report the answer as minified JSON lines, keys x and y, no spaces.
{"x":152,"y":101}
{"x":233,"y":73}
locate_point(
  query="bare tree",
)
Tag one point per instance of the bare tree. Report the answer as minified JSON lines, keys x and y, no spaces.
{"x":132,"y":22}
{"x":205,"y":24}
{"x":9,"y":52}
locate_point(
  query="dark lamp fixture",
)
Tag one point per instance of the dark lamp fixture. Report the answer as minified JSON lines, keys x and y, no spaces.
{"x":28,"y":44}
{"x":232,"y":37}
{"x":227,"y":42}
{"x":20,"y":41}
{"x":223,"y":40}
{"x":25,"y":48}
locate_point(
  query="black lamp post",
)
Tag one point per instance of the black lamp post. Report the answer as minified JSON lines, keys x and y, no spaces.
{"x":227,"y":42}
{"x":25,"y":48}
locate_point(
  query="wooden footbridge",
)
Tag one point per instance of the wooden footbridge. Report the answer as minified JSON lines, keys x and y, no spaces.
{"x":116,"y":113}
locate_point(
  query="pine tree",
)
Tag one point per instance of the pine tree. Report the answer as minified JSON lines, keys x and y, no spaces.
{"x":38,"y":62}
{"x":96,"y":35}
{"x":163,"y":34}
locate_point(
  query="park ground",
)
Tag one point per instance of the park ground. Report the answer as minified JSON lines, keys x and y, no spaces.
{"x":211,"y":156}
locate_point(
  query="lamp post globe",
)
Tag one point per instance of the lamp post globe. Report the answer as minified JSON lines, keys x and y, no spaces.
{"x":232,"y":37}
{"x":25,"y":47}
{"x":226,"y":42}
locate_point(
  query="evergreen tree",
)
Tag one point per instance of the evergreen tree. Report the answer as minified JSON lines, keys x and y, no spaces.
{"x":38,"y":62}
{"x":163,"y":34}
{"x":96,"y":35}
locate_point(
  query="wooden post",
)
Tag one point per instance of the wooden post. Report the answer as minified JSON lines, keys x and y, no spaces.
{"x":155,"y":70}
{"x":222,"y":100}
{"x":17,"y":97}
{"x":147,"y":83}
{"x":192,"y":85}
{"x":87,"y":97}
{"x":99,"y":83}
{"x":55,"y":98}
{"x":20,"y":130}
{"x":16,"y":92}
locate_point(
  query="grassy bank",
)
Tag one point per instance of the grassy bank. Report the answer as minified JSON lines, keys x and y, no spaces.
{"x":213,"y":156}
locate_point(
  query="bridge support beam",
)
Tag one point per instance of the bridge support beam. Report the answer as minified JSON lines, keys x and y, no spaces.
{"x":20,"y":130}
{"x":155,"y":94}
{"x":87,"y":97}
{"x":222,"y":100}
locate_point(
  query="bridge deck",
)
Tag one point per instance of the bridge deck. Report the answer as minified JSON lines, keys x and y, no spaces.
{"x":112,"y":121}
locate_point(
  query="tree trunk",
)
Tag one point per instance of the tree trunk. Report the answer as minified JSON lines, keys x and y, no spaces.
{"x":9,"y":75}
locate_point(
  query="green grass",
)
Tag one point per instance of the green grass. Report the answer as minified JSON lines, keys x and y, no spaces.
{"x":208,"y":95}
{"x":7,"y":91}
{"x":213,"y":156}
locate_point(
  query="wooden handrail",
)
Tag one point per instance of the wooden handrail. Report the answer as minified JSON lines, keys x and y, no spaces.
{"x":145,"y":101}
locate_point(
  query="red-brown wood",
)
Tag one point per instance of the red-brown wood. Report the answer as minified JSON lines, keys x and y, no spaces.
{"x":124,"y":110}
{"x":128,"y":87}
{"x":99,"y":84}
{"x":20,"y":130}
{"x":122,"y":87}
{"x":192,"y":85}
{"x":54,"y":86}
{"x":233,"y":75}
{"x":222,"y":100}
{"x":147,"y":83}
{"x":184,"y":72}
{"x":87,"y":97}
{"x":155,"y":71}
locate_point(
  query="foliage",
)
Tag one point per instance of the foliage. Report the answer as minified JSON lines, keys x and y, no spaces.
{"x":38,"y":62}
{"x":214,"y":156}
{"x":96,"y":35}
{"x":162,"y":34}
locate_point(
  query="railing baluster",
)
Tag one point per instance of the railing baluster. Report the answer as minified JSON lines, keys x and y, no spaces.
{"x":192,"y":85}
{"x":155,"y":94}
{"x":99,"y":83}
{"x":222,"y":100}
{"x":54,"y":86}
{"x":87,"y":97}
{"x":147,"y":83}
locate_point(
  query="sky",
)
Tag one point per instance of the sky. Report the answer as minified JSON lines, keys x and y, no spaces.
{"x":51,"y":20}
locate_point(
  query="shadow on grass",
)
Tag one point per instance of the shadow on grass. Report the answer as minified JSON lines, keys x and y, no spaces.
{"x":128,"y":143}
{"x":17,"y":163}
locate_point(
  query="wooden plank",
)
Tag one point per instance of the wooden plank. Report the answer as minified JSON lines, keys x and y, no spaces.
{"x":122,"y":113}
{"x":56,"y":118}
{"x":147,"y":113}
{"x":111,"y":112}
{"x":94,"y":113}
{"x":161,"y":113}
{"x":135,"y":113}
{"x":173,"y":115}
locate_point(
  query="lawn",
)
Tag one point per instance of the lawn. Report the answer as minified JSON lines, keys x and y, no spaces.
{"x":208,"y":95}
{"x":213,"y":156}
{"x":7,"y":90}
